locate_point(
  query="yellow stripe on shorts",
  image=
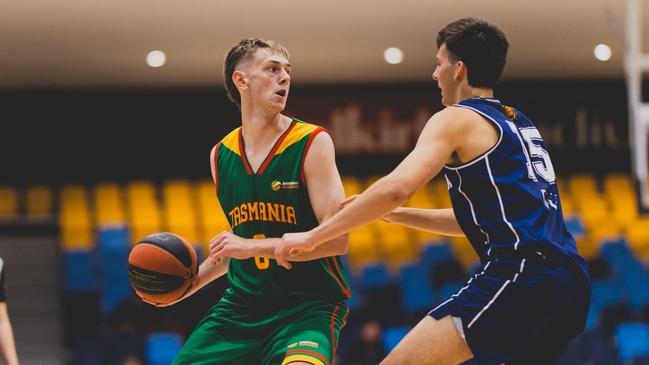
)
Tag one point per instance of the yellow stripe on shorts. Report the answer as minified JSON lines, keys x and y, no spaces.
{"x":301,"y":357}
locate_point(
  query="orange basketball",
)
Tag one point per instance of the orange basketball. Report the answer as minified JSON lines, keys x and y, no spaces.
{"x":162,"y":267}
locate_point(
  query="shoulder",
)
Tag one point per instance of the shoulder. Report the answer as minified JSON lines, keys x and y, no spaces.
{"x":452,"y":120}
{"x":456,"y":113}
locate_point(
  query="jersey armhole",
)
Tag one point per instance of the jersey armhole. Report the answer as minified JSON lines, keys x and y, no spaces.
{"x":489,"y":119}
{"x":215,"y":171}
{"x":306,"y":150}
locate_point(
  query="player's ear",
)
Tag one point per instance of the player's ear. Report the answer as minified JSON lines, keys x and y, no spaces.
{"x":239,"y":79}
{"x":460,"y":71}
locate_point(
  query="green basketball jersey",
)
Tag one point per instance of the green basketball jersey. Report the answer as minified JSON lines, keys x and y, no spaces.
{"x":268,"y":203}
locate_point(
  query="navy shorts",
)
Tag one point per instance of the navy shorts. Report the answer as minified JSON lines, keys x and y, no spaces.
{"x":521,"y":311}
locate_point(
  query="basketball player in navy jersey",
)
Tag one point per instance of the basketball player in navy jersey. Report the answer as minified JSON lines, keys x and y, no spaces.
{"x":531,"y":295}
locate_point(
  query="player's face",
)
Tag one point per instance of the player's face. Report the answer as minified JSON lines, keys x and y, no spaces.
{"x":269,"y":79}
{"x":444,"y":75}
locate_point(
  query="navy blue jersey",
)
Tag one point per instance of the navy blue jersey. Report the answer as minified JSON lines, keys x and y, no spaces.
{"x":506,"y":200}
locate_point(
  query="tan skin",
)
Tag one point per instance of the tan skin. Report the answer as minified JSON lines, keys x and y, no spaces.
{"x":7,"y":344}
{"x":453,"y":135}
{"x":259,"y":80}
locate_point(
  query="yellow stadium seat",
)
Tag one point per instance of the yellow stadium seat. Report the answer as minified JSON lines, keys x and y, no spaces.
{"x":426,"y":238}
{"x":39,"y":202}
{"x":568,"y":206}
{"x":73,"y":195}
{"x":363,"y":248}
{"x":586,"y":247}
{"x":582,"y":183}
{"x":8,"y":202}
{"x":593,"y":209}
{"x":75,"y":222}
{"x":109,"y":205}
{"x":423,"y":198}
{"x":396,"y":244}
{"x":144,"y":210}
{"x":180,"y":211}
{"x":638,"y":238}
{"x":616,"y":183}
{"x":79,"y":237}
{"x":141,"y":190}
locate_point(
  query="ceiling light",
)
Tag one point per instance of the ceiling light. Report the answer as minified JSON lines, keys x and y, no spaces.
{"x":393,"y":55}
{"x":602,"y":52}
{"x":156,"y":58}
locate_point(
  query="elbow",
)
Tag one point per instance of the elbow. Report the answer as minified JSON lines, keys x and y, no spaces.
{"x":396,"y":194}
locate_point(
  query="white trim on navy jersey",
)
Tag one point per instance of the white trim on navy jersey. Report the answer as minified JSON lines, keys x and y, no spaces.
{"x":520,"y":271}
{"x":475,"y":220}
{"x":463,"y":288}
{"x":502,"y":206}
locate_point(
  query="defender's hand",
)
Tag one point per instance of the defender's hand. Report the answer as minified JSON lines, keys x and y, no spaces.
{"x":292,"y":244}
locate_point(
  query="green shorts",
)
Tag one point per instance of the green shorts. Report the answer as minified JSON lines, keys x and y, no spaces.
{"x":243,"y":331}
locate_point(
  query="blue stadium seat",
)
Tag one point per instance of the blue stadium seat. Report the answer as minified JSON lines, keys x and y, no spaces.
{"x":392,"y":335}
{"x":416,"y":290}
{"x":575,"y":226}
{"x":606,"y":293}
{"x":356,"y":301}
{"x":638,"y":292}
{"x":161,"y":348}
{"x":113,"y":241}
{"x":79,"y":271}
{"x":374,"y":276}
{"x":632,"y":340}
{"x":114,"y":248}
{"x":433,"y":254}
{"x":616,"y":253}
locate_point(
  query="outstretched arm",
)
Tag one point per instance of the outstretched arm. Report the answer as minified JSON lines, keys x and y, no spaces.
{"x":439,"y":221}
{"x":440,"y":138}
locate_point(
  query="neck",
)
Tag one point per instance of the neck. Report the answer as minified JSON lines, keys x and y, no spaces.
{"x":259,"y":127}
{"x":468,"y":92}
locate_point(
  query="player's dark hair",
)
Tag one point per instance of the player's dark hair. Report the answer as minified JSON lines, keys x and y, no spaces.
{"x":241,"y":52}
{"x":480,"y":45}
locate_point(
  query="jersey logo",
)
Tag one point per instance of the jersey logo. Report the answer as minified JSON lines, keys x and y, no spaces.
{"x":304,"y":344}
{"x":509,"y":112}
{"x":286,"y":185}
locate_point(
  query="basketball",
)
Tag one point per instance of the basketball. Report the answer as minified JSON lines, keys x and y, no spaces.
{"x":162,"y":267}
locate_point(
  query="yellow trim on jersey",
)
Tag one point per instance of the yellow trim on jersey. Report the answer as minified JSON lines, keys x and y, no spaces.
{"x":299,"y":131}
{"x":300,"y":357}
{"x":231,"y":141}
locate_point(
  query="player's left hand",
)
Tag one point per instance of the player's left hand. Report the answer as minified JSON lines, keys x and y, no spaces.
{"x":228,"y":244}
{"x":292,"y":244}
